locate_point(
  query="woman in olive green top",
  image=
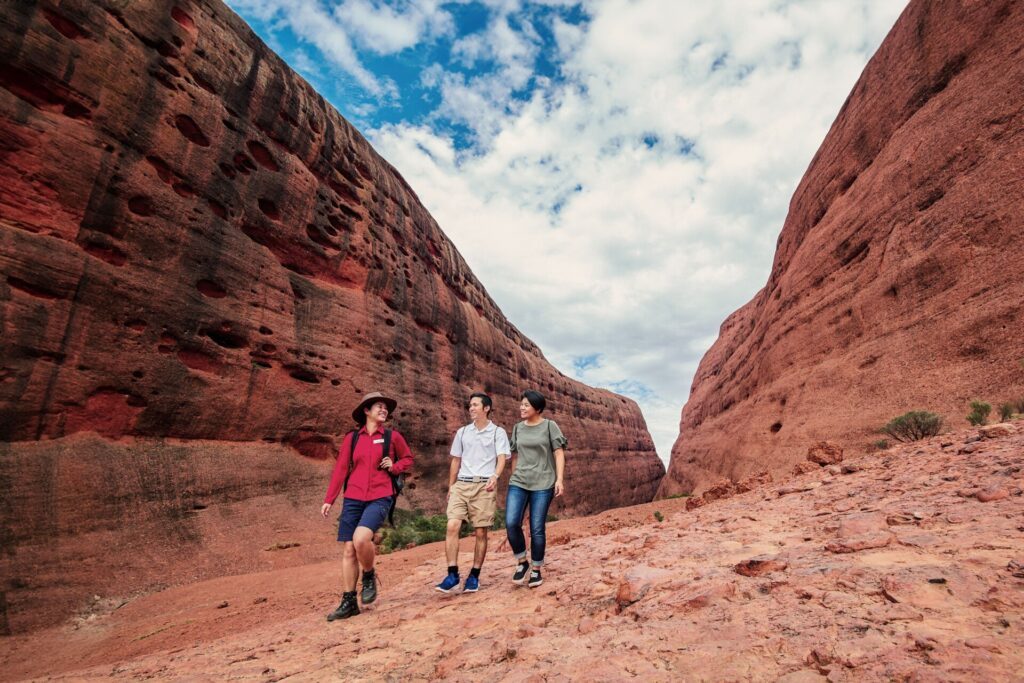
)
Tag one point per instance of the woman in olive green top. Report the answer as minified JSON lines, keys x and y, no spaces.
{"x":538,"y":464}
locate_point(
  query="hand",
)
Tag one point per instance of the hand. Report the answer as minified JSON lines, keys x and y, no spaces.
{"x":386,"y":464}
{"x":448,"y":495}
{"x":324,"y":509}
{"x":491,"y":483}
{"x":559,"y":488}
{"x":503,"y":546}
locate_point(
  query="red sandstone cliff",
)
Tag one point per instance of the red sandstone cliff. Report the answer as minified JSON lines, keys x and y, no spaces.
{"x":899,"y":275}
{"x":203,"y":263}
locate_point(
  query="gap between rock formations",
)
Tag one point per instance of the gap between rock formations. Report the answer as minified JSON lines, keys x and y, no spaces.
{"x":908,"y":566}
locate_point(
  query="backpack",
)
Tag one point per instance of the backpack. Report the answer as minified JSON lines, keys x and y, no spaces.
{"x":397,"y":480}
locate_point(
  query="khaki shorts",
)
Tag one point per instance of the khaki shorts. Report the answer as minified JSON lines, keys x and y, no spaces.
{"x":472,"y":503}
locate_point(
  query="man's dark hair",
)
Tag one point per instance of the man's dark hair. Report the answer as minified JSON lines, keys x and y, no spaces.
{"x":536,"y":399}
{"x":484,"y":399}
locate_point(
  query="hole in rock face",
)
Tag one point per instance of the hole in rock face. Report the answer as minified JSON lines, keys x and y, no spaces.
{"x":183,"y":18}
{"x":29,"y":288}
{"x":135,"y":324}
{"x":302,"y":374}
{"x":313,"y":232}
{"x":64,"y":26}
{"x":229,"y":340}
{"x":265,"y":330}
{"x":335,"y":382}
{"x":262,"y":155}
{"x":165,"y":49}
{"x":204,"y":84}
{"x":191,"y":130}
{"x":228,"y":171}
{"x":161,"y":168}
{"x":211,"y":289}
{"x":141,"y":206}
{"x":41,"y":92}
{"x":184,"y":190}
{"x":243,"y":163}
{"x":106,"y":252}
{"x":776,"y":427}
{"x":217,"y":208}
{"x":269,"y":209}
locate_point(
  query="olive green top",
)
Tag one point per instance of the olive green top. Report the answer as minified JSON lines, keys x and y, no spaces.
{"x":535,"y":447}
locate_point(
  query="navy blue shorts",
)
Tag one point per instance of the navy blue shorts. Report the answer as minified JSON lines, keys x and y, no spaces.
{"x":368,"y":513}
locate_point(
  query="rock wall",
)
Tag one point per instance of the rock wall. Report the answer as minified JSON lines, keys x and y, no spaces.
{"x":196,"y":248}
{"x":899,"y":275}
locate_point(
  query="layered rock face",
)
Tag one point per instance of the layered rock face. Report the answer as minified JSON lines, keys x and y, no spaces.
{"x":899,"y":275}
{"x":205,"y":265}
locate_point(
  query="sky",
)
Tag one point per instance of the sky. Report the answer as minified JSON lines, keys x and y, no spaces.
{"x":615,"y":172}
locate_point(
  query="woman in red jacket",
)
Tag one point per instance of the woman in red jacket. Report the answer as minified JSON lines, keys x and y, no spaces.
{"x":363,"y":470}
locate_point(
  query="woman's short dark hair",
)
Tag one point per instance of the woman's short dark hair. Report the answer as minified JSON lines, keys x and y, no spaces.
{"x":485,"y":400}
{"x":536,"y":399}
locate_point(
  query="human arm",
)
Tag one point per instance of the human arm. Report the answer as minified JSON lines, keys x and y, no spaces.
{"x":502,"y":449}
{"x":338,"y":475}
{"x":453,"y":474}
{"x":403,"y":456}
{"x":558,"y":444}
{"x":559,"y":471}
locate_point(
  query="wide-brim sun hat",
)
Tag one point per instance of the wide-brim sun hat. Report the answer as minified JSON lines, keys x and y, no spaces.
{"x":369,"y":400}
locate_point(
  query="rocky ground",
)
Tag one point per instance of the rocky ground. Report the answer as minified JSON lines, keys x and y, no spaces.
{"x":906,"y":564}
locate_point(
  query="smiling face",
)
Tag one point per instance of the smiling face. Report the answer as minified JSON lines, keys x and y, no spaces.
{"x":477,"y":409}
{"x":526,"y":411}
{"x":378,"y":412}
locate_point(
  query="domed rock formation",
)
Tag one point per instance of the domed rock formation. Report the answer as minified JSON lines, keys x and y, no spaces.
{"x":204,"y":264}
{"x":899,"y":274}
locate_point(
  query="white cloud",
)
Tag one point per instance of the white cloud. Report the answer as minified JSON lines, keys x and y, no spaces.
{"x":628,"y":207}
{"x":385,"y":29}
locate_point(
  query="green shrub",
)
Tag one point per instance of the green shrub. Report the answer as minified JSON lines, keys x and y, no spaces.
{"x":881,"y":444}
{"x":979,"y":412}
{"x":913,"y":426}
{"x":677,"y":495}
{"x":658,"y":516}
{"x":413,"y":528}
{"x":1006,"y":411}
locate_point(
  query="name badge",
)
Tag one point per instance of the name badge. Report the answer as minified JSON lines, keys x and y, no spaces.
{"x":378,"y":440}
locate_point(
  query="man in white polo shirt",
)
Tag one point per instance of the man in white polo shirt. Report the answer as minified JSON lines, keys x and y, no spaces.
{"x":479,"y":452}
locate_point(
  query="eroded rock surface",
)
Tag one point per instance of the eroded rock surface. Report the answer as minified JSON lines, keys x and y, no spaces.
{"x":744,"y":588}
{"x":899,"y":274}
{"x":195,"y":246}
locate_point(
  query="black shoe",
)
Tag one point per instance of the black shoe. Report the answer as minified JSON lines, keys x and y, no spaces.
{"x":348,"y":607}
{"x":520,"y":576}
{"x":369,"y":593}
{"x":535,"y":578}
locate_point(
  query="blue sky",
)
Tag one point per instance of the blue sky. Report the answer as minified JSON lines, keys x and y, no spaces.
{"x":615,"y":172}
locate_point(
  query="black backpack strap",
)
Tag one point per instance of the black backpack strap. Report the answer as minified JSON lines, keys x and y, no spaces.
{"x":351,"y":459}
{"x":385,"y":453}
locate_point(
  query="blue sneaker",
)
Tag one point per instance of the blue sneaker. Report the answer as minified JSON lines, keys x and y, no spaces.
{"x":450,"y":582}
{"x":472,"y":584}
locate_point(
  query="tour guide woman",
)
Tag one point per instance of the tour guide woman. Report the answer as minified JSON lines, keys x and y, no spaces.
{"x":368,"y":496}
{"x":538,"y":464}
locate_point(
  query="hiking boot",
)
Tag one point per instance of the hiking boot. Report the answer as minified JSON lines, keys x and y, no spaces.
{"x":535,"y":578}
{"x":348,"y":607}
{"x":520,"y":576}
{"x":369,"y":592}
{"x":450,"y":582}
{"x":472,"y":584}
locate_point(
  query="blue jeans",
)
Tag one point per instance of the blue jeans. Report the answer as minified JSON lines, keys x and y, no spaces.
{"x":515,"y":508}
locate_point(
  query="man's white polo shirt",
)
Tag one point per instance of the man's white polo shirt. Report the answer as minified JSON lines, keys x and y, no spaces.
{"x":479,"y":449}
